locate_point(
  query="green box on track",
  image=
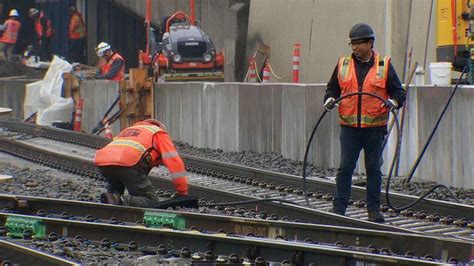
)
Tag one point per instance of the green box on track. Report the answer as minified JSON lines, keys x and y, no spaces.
{"x":16,"y":227}
{"x":164,"y":219}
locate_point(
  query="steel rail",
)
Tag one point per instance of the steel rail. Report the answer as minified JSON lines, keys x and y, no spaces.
{"x":399,"y":243}
{"x":16,"y":254}
{"x":299,"y":252}
{"x":315,"y":184}
{"x":245,"y":189}
{"x":327,"y":186}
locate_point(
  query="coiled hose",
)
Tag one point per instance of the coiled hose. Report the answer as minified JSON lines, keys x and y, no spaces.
{"x":305,"y":160}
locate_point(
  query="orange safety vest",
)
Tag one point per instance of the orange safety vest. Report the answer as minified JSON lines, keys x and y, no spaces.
{"x":77,"y":27}
{"x":107,"y":66}
{"x":10,"y":34}
{"x":39,"y":27}
{"x":130,"y":145}
{"x":371,"y":114}
{"x":135,"y":144}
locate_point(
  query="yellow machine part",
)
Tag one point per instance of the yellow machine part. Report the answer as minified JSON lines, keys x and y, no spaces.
{"x":447,"y":49}
{"x":444,"y":36}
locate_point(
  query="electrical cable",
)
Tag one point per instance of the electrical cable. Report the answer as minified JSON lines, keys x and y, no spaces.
{"x":415,"y":165}
{"x":395,"y":152}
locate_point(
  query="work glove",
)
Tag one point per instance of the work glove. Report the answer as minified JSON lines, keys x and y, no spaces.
{"x":181,"y":185}
{"x":329,"y":103}
{"x":390,"y":104}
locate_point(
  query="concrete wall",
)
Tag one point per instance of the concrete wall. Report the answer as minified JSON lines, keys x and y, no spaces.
{"x":323,"y":27}
{"x":98,"y":96}
{"x":280,"y":117}
{"x":12,"y":94}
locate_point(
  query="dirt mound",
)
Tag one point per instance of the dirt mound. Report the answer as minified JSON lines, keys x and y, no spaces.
{"x":14,"y":69}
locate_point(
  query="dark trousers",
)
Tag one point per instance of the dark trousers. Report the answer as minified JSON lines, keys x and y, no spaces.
{"x":353,"y":140}
{"x":44,"y":49}
{"x":76,"y":50}
{"x":134,"y":179}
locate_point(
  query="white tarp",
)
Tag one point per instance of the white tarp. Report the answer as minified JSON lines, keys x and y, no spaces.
{"x":45,"y":98}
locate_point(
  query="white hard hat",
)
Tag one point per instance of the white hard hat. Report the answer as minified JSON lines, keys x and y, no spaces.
{"x":13,"y":13}
{"x":101,"y":48}
{"x":33,"y":11}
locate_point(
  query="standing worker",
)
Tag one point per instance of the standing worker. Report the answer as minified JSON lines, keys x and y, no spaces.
{"x":10,"y":34}
{"x":126,"y":161}
{"x":44,"y":34}
{"x":114,"y":66}
{"x":76,"y":36}
{"x":363,"y":118}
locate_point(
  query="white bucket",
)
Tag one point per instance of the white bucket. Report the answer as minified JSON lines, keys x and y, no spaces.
{"x":440,"y":73}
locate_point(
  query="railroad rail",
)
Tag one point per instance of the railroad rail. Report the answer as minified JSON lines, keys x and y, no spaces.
{"x":206,"y":220}
{"x":165,"y":230}
{"x":20,"y":139}
{"x":17,"y":254}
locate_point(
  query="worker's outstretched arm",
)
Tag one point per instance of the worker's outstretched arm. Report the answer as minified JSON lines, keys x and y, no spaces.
{"x":172,"y":161}
{"x":114,"y":69}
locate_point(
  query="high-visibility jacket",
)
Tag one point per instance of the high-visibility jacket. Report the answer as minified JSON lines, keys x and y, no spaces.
{"x":148,"y":146}
{"x":39,"y":26}
{"x":105,"y":68}
{"x":10,"y":34}
{"x":77,"y":27}
{"x":366,"y":108}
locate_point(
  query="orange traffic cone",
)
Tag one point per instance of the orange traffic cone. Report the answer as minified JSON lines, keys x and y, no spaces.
{"x":296,"y":63}
{"x":252,"y":72}
{"x":78,"y":115}
{"x":266,"y":73}
{"x":108,"y":131}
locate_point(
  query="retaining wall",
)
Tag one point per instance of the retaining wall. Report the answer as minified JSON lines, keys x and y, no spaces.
{"x":12,"y":94}
{"x":280,"y":117}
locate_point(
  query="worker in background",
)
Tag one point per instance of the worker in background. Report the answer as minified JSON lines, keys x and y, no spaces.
{"x":76,"y":36}
{"x":364,"y":118}
{"x":44,"y":34}
{"x":126,"y":161}
{"x":113,"y":65}
{"x":10,"y":34}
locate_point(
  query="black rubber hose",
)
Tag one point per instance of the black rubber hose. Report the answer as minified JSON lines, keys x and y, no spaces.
{"x":415,"y":165}
{"x":398,"y":146}
{"x":418,"y":159}
{"x":308,"y":146}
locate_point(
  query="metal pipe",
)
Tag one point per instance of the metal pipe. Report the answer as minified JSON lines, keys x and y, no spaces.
{"x":191,"y":12}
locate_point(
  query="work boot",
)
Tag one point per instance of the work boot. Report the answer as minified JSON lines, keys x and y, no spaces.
{"x":376,"y":217}
{"x":111,"y":198}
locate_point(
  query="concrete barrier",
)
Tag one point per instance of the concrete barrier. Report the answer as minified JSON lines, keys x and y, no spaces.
{"x":12,"y":94}
{"x":98,"y":95}
{"x":280,"y":117}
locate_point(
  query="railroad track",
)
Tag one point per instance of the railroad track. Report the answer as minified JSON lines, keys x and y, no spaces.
{"x":206,"y":220}
{"x":13,"y":253}
{"x":219,"y":182}
{"x":250,"y":239}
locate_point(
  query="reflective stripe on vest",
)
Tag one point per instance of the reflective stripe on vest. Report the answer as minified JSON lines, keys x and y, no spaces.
{"x":129,"y":146}
{"x":129,"y":143}
{"x":10,"y":34}
{"x":371,"y":113}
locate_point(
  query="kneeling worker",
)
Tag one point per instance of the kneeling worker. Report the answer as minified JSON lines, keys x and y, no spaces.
{"x":126,"y":161}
